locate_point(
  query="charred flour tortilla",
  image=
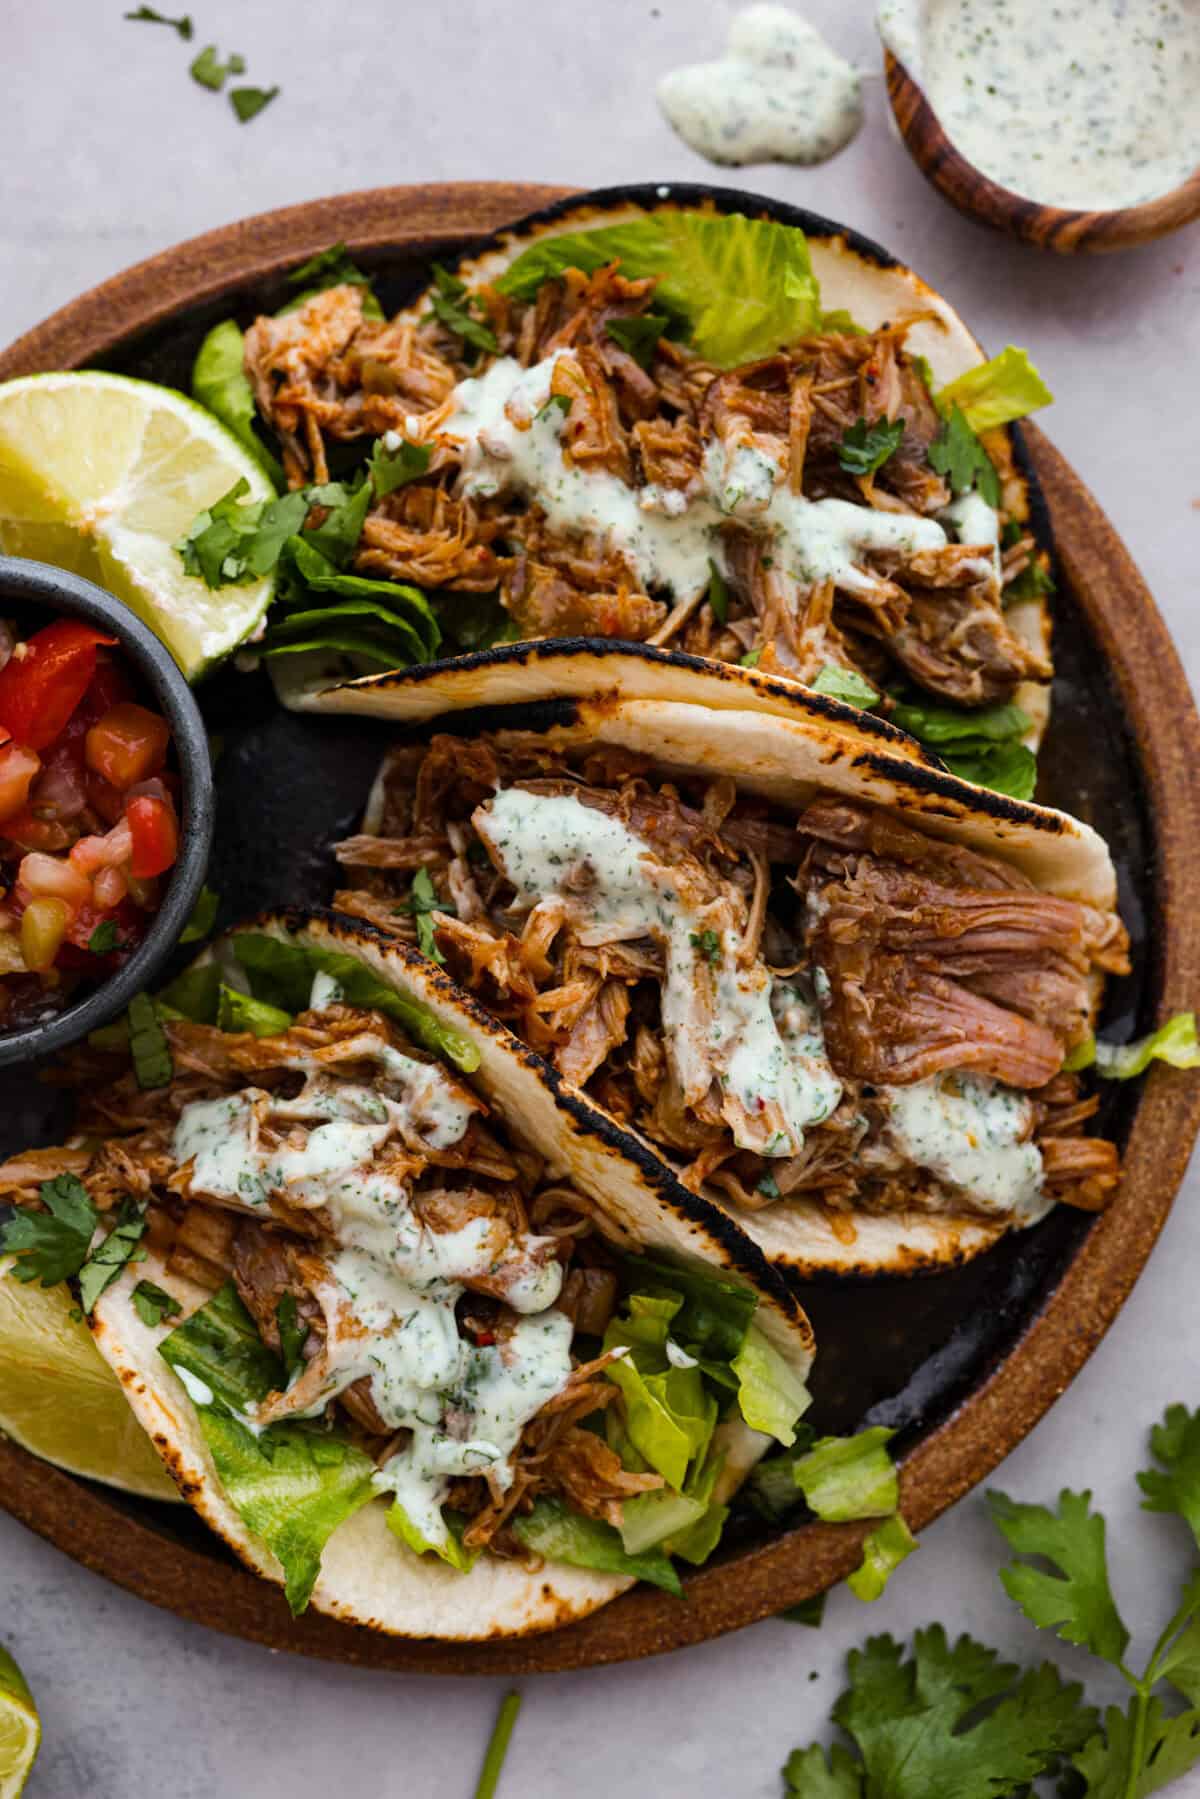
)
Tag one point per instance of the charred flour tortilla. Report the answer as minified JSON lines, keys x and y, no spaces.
{"x":413,"y":1331}
{"x":664,"y":423}
{"x":832,"y":987}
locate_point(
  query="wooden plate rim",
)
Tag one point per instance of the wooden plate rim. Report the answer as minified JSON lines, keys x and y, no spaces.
{"x":97,"y":1530}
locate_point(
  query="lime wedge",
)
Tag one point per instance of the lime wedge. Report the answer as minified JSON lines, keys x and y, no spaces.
{"x":20,"y":1729}
{"x":102,"y":475}
{"x":60,"y":1399}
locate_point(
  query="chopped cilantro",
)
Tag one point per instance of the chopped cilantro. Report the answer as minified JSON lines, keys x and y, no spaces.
{"x":204,"y":916}
{"x":556,"y":403}
{"x":708,"y":943}
{"x":457,"y":310}
{"x":123,"y":1244}
{"x":248,"y":102}
{"x":208,"y":69}
{"x":865,"y":448}
{"x":639,"y":336}
{"x":718,"y":592}
{"x":103,"y":940}
{"x":957,"y":453}
{"x":423,"y":900}
{"x":146,"y":15}
{"x":53,"y":1244}
{"x":750,"y":659}
{"x":154,"y":1306}
{"x":152,"y":1064}
{"x":768,"y":1187}
{"x":390,"y":469}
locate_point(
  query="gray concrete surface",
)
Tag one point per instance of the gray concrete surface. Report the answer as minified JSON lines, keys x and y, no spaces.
{"x":111,"y":153}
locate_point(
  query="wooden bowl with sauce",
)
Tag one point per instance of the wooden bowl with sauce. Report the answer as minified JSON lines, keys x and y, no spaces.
{"x":1059,"y":227}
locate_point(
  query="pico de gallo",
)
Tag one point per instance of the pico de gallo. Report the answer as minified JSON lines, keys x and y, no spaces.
{"x":89,"y":822}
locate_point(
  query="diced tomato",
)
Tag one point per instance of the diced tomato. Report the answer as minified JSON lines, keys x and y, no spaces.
{"x":18,"y":766}
{"x":45,"y":679}
{"x":155,"y":836}
{"x":128,"y":745}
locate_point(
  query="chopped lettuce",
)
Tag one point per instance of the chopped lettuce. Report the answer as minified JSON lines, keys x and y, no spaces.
{"x":771,"y":1396}
{"x":883,"y":1552}
{"x":688,"y":1524}
{"x":1174,"y":1042}
{"x":220,"y":383}
{"x":561,"y":1535}
{"x":738,"y":287}
{"x":840,"y":321}
{"x":714,"y":1313}
{"x":241,"y":1012}
{"x":771,"y":1486}
{"x":996,"y":392}
{"x":194,"y":994}
{"x":450,"y":1550}
{"x":291,"y":1484}
{"x":669,"y":1416}
{"x":844,"y":684}
{"x":844,"y":1478}
{"x":984,"y":746}
{"x":282,"y":975}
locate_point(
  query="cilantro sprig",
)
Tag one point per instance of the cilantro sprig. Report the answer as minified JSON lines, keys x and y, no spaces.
{"x":51,"y":1245}
{"x":865,"y":448}
{"x":422,"y":901}
{"x":952,"y":1719}
{"x":459,"y":311}
{"x":146,"y":15}
{"x":639,"y":335}
{"x":957,"y":454}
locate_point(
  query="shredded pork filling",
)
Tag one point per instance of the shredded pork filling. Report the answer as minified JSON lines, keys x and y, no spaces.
{"x":594,"y":496}
{"x":835,"y":1006}
{"x":440,"y":1275}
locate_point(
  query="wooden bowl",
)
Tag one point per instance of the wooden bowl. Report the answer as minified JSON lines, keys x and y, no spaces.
{"x":994,"y":1343}
{"x":1049,"y":227}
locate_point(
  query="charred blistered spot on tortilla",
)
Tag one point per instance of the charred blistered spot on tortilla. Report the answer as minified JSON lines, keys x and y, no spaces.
{"x":961,"y":797}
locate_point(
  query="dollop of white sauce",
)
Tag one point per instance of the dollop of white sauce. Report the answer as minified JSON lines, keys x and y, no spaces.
{"x":779,"y":94}
{"x":974,"y":1135}
{"x":757,"y":1035}
{"x":1084,"y":104}
{"x":510,"y":442}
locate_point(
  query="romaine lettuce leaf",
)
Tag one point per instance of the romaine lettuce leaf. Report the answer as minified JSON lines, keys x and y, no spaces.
{"x":282,"y":975}
{"x":740,"y":287}
{"x":771,"y":1396}
{"x":240,"y":1012}
{"x":714,"y":1315}
{"x":450,"y":1550}
{"x":1174,"y":1042}
{"x":291,"y":1484}
{"x":550,"y":1529}
{"x":669,"y":1416}
{"x":194,"y":994}
{"x":221,"y":385}
{"x":996,"y":392}
{"x":398,"y":605}
{"x":845,"y":1478}
{"x":883,"y":1552}
{"x":687,"y":1524}
{"x":984,"y":746}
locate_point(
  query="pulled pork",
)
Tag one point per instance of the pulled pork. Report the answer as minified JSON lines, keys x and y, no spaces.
{"x":282,"y":1245}
{"x":934,"y":961}
{"x":326,"y":373}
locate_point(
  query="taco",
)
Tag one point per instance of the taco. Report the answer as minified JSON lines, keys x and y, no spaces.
{"x":413,"y":1335}
{"x":834,"y":988}
{"x":656,"y":418}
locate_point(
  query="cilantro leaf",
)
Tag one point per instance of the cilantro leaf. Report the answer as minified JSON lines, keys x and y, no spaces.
{"x":865,"y":448}
{"x":53,"y":1244}
{"x":1075,"y":1600}
{"x":331,"y":267}
{"x":208,"y":69}
{"x":456,"y":309}
{"x":123,"y":1244}
{"x":807,"y":1775}
{"x":230,"y":542}
{"x":718,"y":593}
{"x":957,"y":454}
{"x":844,"y":684}
{"x":152,"y":1063}
{"x":421,"y":901}
{"x":204,"y":916}
{"x":153,"y":1305}
{"x":146,"y":15}
{"x":248,"y":102}
{"x":1180,"y":1661}
{"x":390,"y":469}
{"x":709,"y":945}
{"x":346,"y":506}
{"x":103,"y":940}
{"x":639,"y":336}
{"x":292,"y":1334}
{"x":1175,"y":1443}
{"x":556,"y":403}
{"x":1139,"y":1751}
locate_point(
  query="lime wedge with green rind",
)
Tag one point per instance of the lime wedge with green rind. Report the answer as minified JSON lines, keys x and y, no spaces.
{"x":20,"y":1729}
{"x":102,"y":475}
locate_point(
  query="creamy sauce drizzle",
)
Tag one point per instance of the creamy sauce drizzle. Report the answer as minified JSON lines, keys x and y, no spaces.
{"x":1087,"y":104}
{"x":763,"y":1041}
{"x":779,"y":94}
{"x":510,"y":442}
{"x":971,"y":1133}
{"x":393,"y":1284}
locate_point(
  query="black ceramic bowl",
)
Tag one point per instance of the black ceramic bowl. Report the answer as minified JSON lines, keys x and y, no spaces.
{"x":35,"y":593}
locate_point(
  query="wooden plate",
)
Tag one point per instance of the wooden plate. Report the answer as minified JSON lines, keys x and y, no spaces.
{"x":964,"y":1363}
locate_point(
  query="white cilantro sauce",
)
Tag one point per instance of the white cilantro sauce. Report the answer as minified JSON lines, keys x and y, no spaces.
{"x":1086,"y":104}
{"x":392,"y":1287}
{"x":508,"y":444}
{"x":779,"y":94}
{"x":971,"y":1133}
{"x":717,"y":1017}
